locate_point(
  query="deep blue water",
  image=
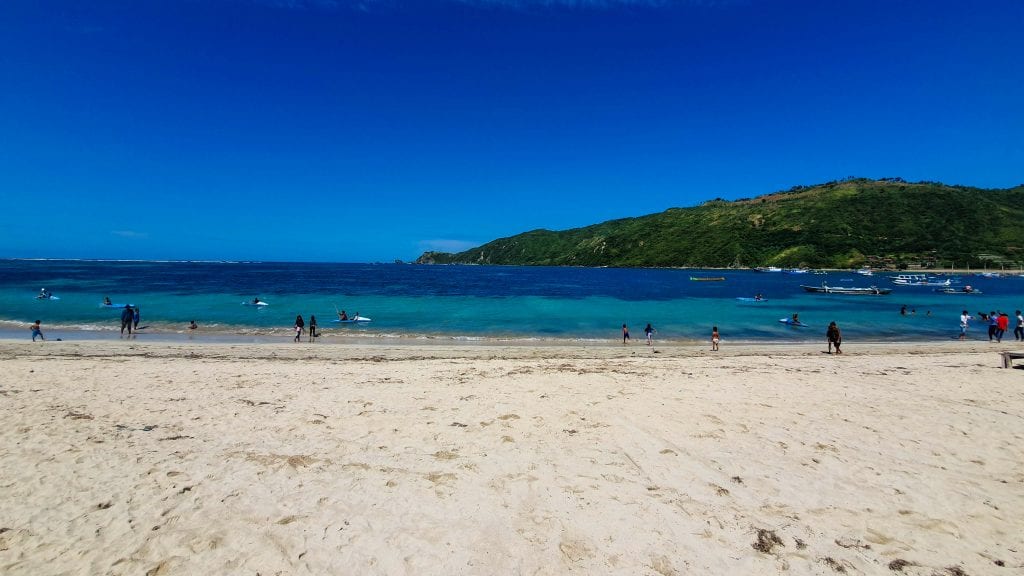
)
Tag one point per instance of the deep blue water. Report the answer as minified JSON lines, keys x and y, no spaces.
{"x":485,"y":301}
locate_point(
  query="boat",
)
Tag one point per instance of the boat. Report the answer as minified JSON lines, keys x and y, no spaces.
{"x":795,"y":271}
{"x":260,"y":303}
{"x":865,"y":271}
{"x":918,"y":280}
{"x":767,"y":269}
{"x":47,"y":297}
{"x":964,"y":290}
{"x":352,"y":320}
{"x":848,"y":290}
{"x":707,"y":278}
{"x":749,"y":299}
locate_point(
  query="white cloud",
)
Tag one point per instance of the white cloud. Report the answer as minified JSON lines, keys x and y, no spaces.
{"x":446,"y":245}
{"x":129,"y":234}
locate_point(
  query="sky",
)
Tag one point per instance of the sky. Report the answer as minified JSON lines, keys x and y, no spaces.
{"x":374,"y":130}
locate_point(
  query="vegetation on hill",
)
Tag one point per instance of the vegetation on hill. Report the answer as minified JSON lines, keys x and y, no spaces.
{"x":841,"y":224}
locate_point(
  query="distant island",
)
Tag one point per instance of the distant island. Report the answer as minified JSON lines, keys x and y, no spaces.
{"x":842,"y":224}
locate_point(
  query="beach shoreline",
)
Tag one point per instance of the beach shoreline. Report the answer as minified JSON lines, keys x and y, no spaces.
{"x":130,"y":457}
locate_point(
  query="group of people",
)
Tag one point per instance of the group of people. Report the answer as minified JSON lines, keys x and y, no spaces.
{"x":833,"y":335}
{"x":648,"y":331}
{"x":998,"y":324}
{"x":44,"y":294}
{"x":129,"y":318}
{"x":300,"y":326}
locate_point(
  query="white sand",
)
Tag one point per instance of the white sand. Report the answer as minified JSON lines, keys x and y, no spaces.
{"x":135,"y":458}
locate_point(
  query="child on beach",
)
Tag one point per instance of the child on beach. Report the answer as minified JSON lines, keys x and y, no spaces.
{"x":299,"y":325}
{"x":714,"y":338}
{"x":625,"y":333}
{"x":834,"y":337}
{"x":649,"y":331}
{"x":37,"y":331}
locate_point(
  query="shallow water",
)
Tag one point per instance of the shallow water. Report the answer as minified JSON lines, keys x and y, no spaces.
{"x":482,"y":302}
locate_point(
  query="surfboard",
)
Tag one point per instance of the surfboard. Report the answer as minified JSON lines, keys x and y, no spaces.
{"x":353,"y":320}
{"x":790,"y":322}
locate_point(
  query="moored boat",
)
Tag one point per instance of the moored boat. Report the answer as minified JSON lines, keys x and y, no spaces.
{"x":847,"y":290}
{"x":707,"y":278}
{"x":918,"y":280}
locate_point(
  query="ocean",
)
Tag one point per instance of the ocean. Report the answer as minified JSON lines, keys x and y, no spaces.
{"x":478,"y":302}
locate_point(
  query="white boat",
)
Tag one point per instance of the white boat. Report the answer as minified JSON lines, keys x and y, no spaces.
{"x":767,"y":269}
{"x":795,"y":271}
{"x":865,"y":271}
{"x":848,"y":290}
{"x":918,"y":280}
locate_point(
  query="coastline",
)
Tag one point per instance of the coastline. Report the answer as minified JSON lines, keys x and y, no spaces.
{"x":184,"y":458}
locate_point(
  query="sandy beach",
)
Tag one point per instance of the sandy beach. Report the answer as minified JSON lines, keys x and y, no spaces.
{"x":174,"y":458}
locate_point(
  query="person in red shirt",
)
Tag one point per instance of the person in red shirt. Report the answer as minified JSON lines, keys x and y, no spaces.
{"x":1003,"y":323}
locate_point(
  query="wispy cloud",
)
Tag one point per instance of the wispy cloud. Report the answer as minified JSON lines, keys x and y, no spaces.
{"x":446,"y":245}
{"x":129,"y":234}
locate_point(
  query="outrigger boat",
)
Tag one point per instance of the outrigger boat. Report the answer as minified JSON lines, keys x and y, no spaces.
{"x":964,"y":290}
{"x":918,"y":280}
{"x":848,"y":290}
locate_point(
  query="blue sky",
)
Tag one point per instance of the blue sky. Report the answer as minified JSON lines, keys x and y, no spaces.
{"x":317,"y":130}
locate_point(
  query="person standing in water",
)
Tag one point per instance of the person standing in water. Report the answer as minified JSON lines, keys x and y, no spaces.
{"x":625,"y":333}
{"x":312,"y":328}
{"x":135,"y":318}
{"x":964,"y":319}
{"x":715,"y":338}
{"x":127,"y":315}
{"x":299,"y":325}
{"x":1018,"y":332}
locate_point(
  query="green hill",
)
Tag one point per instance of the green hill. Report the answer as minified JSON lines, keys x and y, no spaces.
{"x":836,"y":225}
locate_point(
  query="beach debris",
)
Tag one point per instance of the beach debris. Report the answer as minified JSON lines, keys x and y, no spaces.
{"x":104,"y":505}
{"x":800,"y":544}
{"x":767,"y":540}
{"x":570,"y":431}
{"x":899,"y":564}
{"x":77,"y":415}
{"x":955,"y":571}
{"x":831,"y":563}
{"x":459,"y":424}
{"x":178,"y":437}
{"x":737,"y":479}
{"x":852,"y":543}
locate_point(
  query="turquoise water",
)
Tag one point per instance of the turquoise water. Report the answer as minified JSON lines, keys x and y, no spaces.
{"x":480,"y":302}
